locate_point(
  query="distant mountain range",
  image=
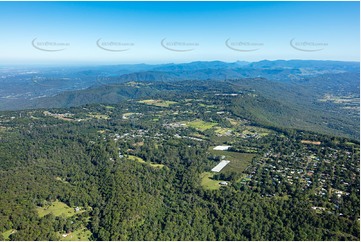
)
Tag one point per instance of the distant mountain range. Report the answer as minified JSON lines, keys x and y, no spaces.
{"x":328,"y":89}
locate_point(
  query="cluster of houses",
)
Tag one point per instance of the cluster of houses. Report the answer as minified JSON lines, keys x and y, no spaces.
{"x":300,"y":166}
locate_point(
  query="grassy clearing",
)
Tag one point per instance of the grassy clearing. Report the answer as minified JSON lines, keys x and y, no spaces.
{"x":207,"y":182}
{"x":158,"y":102}
{"x":140,"y":160}
{"x":58,"y":209}
{"x":239,"y":161}
{"x":82,"y":234}
{"x":7,"y":233}
{"x":201,"y":125}
{"x":310,"y":142}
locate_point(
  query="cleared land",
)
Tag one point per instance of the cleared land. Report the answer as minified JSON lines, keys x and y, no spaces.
{"x":208,"y":183}
{"x":58,"y":209}
{"x":201,"y":125}
{"x":310,"y":142}
{"x":140,"y":160}
{"x":158,"y":103}
{"x":82,"y":234}
{"x":239,"y":161}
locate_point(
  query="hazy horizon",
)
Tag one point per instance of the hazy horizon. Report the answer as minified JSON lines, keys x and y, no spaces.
{"x":151,"y":64}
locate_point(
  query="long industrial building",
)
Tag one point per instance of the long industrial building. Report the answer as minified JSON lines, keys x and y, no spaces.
{"x":220,"y":165}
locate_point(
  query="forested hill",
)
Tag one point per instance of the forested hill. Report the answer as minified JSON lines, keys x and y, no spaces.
{"x":303,"y":106}
{"x":304,"y":94}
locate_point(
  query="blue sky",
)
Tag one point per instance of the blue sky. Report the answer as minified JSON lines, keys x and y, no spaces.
{"x":190,"y":31}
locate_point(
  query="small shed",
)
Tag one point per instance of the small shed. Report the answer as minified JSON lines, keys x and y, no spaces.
{"x":223,"y":183}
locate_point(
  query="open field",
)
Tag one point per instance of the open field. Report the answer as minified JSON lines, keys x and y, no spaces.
{"x":82,"y":234}
{"x":58,"y":209}
{"x":239,"y":161}
{"x":201,"y":125}
{"x":140,"y":160}
{"x":158,"y":103}
{"x":208,"y":183}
